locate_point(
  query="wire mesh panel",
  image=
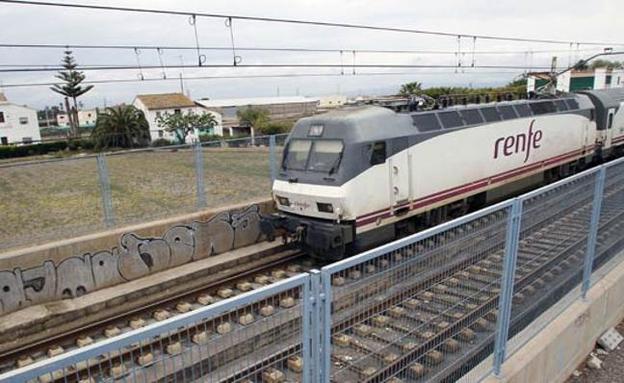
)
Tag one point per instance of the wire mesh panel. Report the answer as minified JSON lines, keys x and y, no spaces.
{"x":151,"y":184}
{"x":609,"y":239}
{"x":48,"y":200}
{"x":254,"y":337}
{"x":421,"y":308}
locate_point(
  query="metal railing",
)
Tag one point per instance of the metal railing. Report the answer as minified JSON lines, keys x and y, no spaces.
{"x":428,"y":307}
{"x":52,"y":199}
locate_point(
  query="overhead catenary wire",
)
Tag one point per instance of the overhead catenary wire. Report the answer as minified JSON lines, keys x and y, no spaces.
{"x":281,"y":65}
{"x":230,"y":77}
{"x":278,"y":49}
{"x":306,"y":22}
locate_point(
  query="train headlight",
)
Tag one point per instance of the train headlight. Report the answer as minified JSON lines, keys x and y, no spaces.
{"x":325,"y":207}
{"x":283,"y":201}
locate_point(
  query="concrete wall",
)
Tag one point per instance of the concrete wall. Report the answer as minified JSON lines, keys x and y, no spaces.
{"x":75,"y":267}
{"x":553,"y":354}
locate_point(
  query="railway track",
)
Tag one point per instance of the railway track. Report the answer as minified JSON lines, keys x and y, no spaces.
{"x":292,"y":262}
{"x":440,"y":326}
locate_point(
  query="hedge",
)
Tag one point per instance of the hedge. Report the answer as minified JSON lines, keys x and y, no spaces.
{"x":14,"y":151}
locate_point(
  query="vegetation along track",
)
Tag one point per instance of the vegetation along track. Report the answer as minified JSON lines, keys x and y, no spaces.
{"x":288,"y":263}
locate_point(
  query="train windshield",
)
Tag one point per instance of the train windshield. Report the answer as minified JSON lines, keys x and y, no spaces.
{"x":313,"y":155}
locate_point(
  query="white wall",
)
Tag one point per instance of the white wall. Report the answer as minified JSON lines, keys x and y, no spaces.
{"x":19,"y":123}
{"x":157,"y":132}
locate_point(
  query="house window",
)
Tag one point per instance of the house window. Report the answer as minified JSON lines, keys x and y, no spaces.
{"x":1,"y":117}
{"x":157,"y":115}
{"x":27,"y":140}
{"x":4,"y":140}
{"x":177,"y":111}
{"x":160,"y":134}
{"x":23,"y":120}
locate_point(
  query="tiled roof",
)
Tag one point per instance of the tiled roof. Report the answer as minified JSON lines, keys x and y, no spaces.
{"x":165,"y":101}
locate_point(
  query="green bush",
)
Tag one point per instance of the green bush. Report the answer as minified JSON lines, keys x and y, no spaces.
{"x":209,"y":137}
{"x":276,"y":128}
{"x":161,"y":142}
{"x":14,"y":151}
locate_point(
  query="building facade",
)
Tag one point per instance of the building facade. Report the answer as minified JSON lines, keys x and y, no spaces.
{"x":18,"y":124}
{"x":279,"y":109}
{"x":571,"y":81}
{"x":86,"y":118}
{"x":156,"y":105}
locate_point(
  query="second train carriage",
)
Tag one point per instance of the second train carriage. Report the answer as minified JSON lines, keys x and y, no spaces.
{"x":357,"y":177}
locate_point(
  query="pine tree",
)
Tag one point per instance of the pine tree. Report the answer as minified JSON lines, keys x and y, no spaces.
{"x":71,"y":88}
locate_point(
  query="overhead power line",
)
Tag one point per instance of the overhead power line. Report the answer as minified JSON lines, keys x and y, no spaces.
{"x":308,"y":22}
{"x":284,"y":75}
{"x":284,"y":49}
{"x":205,"y":66}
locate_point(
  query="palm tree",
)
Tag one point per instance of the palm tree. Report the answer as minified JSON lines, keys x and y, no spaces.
{"x":72,"y":88}
{"x":411,"y":89}
{"x":121,"y":127}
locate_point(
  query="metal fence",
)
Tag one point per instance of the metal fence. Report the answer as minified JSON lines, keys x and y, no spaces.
{"x":428,"y":307}
{"x":53,"y":199}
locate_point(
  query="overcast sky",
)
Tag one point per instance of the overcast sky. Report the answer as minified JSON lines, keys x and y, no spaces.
{"x":599,"y":20}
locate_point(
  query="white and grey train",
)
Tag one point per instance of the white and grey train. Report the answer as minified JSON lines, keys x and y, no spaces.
{"x":357,"y":177}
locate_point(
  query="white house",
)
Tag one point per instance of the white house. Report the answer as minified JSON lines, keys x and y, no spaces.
{"x":156,"y":105}
{"x":86,"y":117}
{"x":18,"y":124}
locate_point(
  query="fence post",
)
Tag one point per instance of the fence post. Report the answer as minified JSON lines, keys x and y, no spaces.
{"x":199,"y":176}
{"x":105,"y":190}
{"x":593,"y":230}
{"x":325,"y":326}
{"x":507,"y":284}
{"x":272,"y":157}
{"x":312,"y":365}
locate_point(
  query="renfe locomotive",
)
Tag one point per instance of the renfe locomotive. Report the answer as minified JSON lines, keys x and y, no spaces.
{"x":357,"y":177}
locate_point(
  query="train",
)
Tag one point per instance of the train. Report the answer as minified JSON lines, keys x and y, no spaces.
{"x":361,"y":176}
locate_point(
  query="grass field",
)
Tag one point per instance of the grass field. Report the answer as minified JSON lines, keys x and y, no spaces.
{"x":57,"y":200}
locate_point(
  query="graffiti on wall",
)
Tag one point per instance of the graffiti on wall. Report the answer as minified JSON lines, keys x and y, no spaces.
{"x":133,"y":258}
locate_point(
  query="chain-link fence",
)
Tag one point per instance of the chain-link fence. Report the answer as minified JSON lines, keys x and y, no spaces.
{"x":50,"y":200}
{"x":428,"y":307}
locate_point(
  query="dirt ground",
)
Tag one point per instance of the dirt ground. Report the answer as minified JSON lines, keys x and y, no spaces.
{"x":57,"y":200}
{"x":612,"y":370}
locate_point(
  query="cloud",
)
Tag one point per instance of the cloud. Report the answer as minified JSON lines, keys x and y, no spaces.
{"x":556,"y":19}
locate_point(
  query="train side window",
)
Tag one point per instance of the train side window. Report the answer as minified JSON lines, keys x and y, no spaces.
{"x":572,"y":103}
{"x":378,"y":155}
{"x":471,"y":116}
{"x":450,"y":119}
{"x":507,"y":112}
{"x":523,"y":110}
{"x":543,"y":107}
{"x":610,"y":123}
{"x":490,"y":114}
{"x":561,"y":105}
{"x":426,"y":122}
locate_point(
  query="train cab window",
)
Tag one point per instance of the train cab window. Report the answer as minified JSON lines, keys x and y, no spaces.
{"x":490,"y":114}
{"x":296,"y":154}
{"x":450,"y":119}
{"x":561,"y":105}
{"x":426,"y":122}
{"x":523,"y":110}
{"x":507,"y":112}
{"x":543,"y":107}
{"x":471,"y":116}
{"x":378,"y":154}
{"x":325,"y":156}
{"x":572,"y":103}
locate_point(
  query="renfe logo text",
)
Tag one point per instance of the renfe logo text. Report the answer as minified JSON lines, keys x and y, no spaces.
{"x":520,"y":143}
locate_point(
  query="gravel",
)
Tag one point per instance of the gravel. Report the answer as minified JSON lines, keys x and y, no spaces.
{"x":612,"y":370}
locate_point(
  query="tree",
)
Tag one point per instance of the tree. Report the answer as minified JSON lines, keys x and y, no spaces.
{"x":257,"y":118}
{"x":182,"y":124}
{"x":411,"y":89}
{"x":121,"y":127}
{"x":606,"y":64}
{"x":72,"y":88}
